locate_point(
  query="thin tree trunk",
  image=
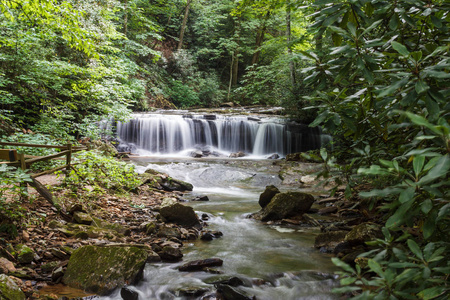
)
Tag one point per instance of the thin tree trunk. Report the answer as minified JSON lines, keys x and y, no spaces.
{"x":125,"y":19}
{"x":231,"y":77}
{"x":259,"y":40}
{"x":289,"y":38}
{"x":183,"y":25}
{"x":235,"y":67}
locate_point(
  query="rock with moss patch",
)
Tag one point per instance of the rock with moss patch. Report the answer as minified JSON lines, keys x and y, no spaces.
{"x":82,"y":218}
{"x":284,"y":205}
{"x":180,"y":214}
{"x":100,"y":270}
{"x":267,"y":195}
{"x":6,"y":266}
{"x":363,"y":233}
{"x":9,"y":289}
{"x":25,"y":254}
{"x":172,"y":184}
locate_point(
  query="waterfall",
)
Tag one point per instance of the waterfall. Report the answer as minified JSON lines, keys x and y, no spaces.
{"x":171,"y":134}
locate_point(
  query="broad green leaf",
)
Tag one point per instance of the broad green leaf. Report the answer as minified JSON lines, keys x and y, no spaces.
{"x":416,"y":55}
{"x":432,"y":292}
{"x":400,"y":48}
{"x":371,"y":27}
{"x":421,"y":87}
{"x":393,"y":87}
{"x":402,"y":265}
{"x":414,"y":248}
{"x":407,"y":194}
{"x":398,"y":217}
{"x":320,"y":118}
{"x":339,"y":263}
{"x":441,"y":168}
{"x":443,"y":211}
{"x":381,"y":193}
{"x":376,"y":267}
{"x":421,"y":121}
{"x":418,"y":163}
{"x":426,"y":206}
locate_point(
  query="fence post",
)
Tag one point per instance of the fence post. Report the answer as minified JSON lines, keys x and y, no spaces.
{"x":69,"y":155}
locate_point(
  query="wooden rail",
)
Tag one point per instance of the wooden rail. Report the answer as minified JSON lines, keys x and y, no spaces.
{"x":18,"y":159}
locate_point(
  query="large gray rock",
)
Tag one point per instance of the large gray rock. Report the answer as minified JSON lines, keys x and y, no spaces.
{"x":231,"y":293}
{"x":25,"y":254}
{"x":100,"y":270}
{"x":172,"y":184}
{"x":363,"y":233}
{"x":198,"y":265}
{"x":180,"y":214}
{"x":9,"y":289}
{"x":327,"y":241}
{"x":267,"y":195}
{"x":284,"y":205}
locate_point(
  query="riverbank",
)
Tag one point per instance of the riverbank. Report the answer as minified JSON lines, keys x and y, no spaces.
{"x":133,"y":219}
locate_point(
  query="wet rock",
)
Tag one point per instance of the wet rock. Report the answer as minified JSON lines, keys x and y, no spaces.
{"x":57,"y":273}
{"x":25,"y":254}
{"x":180,"y":214}
{"x":285,"y":205}
{"x":227,"y":104}
{"x":207,"y":236}
{"x":82,"y":218}
{"x":172,"y":184}
{"x":170,"y":254}
{"x":327,"y":210}
{"x":230,"y":293}
{"x":50,"y":266}
{"x":128,"y":294}
{"x":228,"y":280}
{"x":6,"y":266}
{"x":151,"y":228}
{"x":191,"y":292}
{"x":267,"y":195}
{"x":254,"y":119}
{"x":237,"y":154}
{"x":153,"y":256}
{"x":201,"y":198}
{"x":165,"y":231}
{"x":273,"y":156}
{"x":198,"y":265}
{"x":327,"y":241}
{"x":59,"y":253}
{"x":363,"y":233}
{"x":102,"y":269}
{"x":9,"y":290}
{"x":196,"y":154}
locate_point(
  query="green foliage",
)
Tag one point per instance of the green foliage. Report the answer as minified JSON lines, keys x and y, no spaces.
{"x":12,"y":189}
{"x":96,"y":173}
{"x":381,"y":89}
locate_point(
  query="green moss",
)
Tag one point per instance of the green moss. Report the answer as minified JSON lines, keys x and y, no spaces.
{"x":9,"y":289}
{"x":102,"y":269}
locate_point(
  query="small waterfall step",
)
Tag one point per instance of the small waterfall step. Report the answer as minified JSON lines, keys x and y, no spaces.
{"x":172,"y":134}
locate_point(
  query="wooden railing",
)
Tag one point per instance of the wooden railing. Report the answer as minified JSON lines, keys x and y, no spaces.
{"x":25,"y":161}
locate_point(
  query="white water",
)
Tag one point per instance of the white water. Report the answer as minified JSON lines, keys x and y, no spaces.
{"x":283,"y":258}
{"x":162,"y":134}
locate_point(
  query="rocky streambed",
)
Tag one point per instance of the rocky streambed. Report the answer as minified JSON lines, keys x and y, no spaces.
{"x":235,"y":236}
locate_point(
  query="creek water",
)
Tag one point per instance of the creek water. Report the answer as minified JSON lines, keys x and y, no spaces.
{"x":275,"y":262}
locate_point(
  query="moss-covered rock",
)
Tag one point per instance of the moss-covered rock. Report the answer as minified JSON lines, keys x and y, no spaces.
{"x":267,"y":195}
{"x":180,"y":214}
{"x":363,"y":233}
{"x":25,"y":254}
{"x":9,"y":289}
{"x":172,"y":184}
{"x":284,"y":205}
{"x":82,"y":218}
{"x":100,"y":270}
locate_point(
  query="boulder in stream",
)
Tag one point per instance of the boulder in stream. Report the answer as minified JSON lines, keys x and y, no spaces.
{"x":231,"y":293}
{"x":284,"y":205}
{"x":267,"y":195}
{"x":179,"y":214}
{"x":172,"y":184}
{"x":100,"y":270}
{"x":9,"y":290}
{"x":198,"y":265}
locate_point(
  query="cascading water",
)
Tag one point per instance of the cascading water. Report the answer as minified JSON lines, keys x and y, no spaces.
{"x":172,"y":134}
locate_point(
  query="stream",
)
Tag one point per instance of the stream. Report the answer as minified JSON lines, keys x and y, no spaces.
{"x":274,"y":262}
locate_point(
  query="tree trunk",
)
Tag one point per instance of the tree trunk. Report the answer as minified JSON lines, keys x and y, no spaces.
{"x":289,"y":38}
{"x":259,"y":39}
{"x":125,"y":19}
{"x":235,"y":66}
{"x":183,"y":25}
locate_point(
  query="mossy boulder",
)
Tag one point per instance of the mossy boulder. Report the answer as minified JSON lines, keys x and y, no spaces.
{"x":180,"y":214}
{"x":100,"y":270}
{"x":172,"y":184}
{"x":25,"y":254}
{"x":285,"y":205}
{"x":9,"y":289}
{"x":82,"y":218}
{"x":267,"y":195}
{"x":363,"y":233}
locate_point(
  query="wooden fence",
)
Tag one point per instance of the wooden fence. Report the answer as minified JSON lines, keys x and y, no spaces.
{"x":25,"y":161}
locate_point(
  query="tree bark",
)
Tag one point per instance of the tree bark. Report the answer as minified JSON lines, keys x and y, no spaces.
{"x":289,"y":46}
{"x":259,"y":39}
{"x":183,"y":25}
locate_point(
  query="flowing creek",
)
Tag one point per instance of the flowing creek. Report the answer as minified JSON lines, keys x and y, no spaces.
{"x":275,"y":262}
